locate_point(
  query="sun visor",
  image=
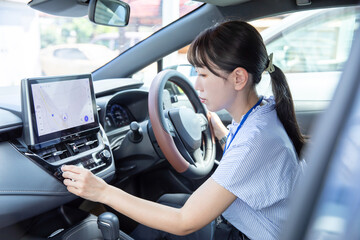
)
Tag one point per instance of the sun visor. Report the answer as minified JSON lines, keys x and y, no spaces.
{"x":66,"y":8}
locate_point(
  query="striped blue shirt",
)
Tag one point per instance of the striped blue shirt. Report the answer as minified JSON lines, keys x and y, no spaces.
{"x":261,"y":168}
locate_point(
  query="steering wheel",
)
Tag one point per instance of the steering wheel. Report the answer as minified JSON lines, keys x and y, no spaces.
{"x":184,"y":135}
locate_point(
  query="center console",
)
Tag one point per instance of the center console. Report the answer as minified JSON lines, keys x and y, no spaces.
{"x":61,"y":125}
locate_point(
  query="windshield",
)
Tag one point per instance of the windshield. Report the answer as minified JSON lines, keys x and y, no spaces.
{"x":33,"y":43}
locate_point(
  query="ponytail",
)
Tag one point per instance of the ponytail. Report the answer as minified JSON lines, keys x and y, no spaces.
{"x":285,"y":108}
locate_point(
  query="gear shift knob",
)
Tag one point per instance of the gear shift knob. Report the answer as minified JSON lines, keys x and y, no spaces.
{"x":108,"y":223}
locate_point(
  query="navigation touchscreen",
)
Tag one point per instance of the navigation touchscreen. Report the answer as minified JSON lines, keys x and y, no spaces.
{"x":58,"y":107}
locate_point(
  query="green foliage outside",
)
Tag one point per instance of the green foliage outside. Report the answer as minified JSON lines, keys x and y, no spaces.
{"x":55,"y":31}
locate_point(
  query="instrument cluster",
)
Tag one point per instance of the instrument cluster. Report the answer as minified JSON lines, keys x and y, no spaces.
{"x":117,"y":116}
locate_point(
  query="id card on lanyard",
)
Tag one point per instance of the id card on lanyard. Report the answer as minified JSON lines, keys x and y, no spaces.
{"x":240,"y":125}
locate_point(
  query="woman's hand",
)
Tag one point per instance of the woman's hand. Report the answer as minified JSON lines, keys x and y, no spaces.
{"x":83,"y":183}
{"x":220,"y":130}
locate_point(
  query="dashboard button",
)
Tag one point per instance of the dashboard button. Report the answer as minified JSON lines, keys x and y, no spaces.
{"x":58,"y":174}
{"x":105,"y":155}
{"x":74,"y":148}
{"x":80,"y":165}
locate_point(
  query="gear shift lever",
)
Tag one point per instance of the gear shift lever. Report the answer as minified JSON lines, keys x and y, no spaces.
{"x":108,"y":223}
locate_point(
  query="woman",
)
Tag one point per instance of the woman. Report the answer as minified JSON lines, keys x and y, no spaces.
{"x":260,"y":165}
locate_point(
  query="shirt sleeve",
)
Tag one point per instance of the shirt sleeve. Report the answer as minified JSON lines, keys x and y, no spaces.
{"x":258,"y":172}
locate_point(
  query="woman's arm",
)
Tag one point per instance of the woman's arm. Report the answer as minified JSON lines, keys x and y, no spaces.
{"x":204,"y":205}
{"x":220,"y":130}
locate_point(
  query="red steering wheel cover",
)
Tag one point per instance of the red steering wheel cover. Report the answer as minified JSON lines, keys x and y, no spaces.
{"x":163,"y":138}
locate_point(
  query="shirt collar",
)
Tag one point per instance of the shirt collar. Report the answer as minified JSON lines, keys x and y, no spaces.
{"x":268,"y":106}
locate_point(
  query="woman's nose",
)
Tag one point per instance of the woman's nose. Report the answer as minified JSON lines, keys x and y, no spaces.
{"x":198,"y":85}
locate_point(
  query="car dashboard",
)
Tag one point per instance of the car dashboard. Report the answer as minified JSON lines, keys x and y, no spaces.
{"x":31,"y":181}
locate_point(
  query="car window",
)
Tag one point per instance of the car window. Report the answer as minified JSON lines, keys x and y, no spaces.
{"x":34,"y":43}
{"x":319,"y":42}
{"x":177,"y":60}
{"x":69,"y":53}
{"x":310,"y":47}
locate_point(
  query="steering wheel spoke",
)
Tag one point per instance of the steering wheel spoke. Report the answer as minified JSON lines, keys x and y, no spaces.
{"x":198,"y":156}
{"x":171,"y":127}
{"x":203,"y":121}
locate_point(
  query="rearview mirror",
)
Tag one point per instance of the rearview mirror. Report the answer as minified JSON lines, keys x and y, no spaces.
{"x":109,"y":12}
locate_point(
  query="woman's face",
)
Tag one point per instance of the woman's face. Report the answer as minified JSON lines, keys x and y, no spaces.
{"x":215,"y":92}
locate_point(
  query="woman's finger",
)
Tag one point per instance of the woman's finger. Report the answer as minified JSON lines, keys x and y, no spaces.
{"x":211,"y":127}
{"x":72,"y":168}
{"x":71,"y":175}
{"x":73,"y":190}
{"x":70,"y":183}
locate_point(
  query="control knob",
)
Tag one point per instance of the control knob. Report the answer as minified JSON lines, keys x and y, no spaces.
{"x":105,"y":155}
{"x":136,"y":134}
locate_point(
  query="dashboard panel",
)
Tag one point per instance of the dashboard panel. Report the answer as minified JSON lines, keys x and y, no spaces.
{"x":31,"y":164}
{"x":39,"y":188}
{"x":117,"y":116}
{"x":122,"y":108}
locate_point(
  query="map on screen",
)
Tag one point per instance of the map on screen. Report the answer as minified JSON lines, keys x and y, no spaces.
{"x":62,"y":105}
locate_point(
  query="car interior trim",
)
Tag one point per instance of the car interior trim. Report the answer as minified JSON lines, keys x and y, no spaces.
{"x":67,"y":8}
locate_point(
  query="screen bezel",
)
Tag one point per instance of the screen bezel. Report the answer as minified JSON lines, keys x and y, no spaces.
{"x":59,"y":135}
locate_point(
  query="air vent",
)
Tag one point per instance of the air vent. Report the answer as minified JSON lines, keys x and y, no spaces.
{"x":86,"y":143}
{"x":63,"y":150}
{"x":54,"y":153}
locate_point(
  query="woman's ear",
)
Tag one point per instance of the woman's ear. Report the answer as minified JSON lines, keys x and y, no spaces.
{"x":241,"y":77}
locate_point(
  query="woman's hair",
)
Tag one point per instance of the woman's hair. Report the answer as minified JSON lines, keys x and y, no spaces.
{"x":235,"y":44}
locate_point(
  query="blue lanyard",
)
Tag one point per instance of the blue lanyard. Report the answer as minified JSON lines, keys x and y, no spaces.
{"x":241,"y":123}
